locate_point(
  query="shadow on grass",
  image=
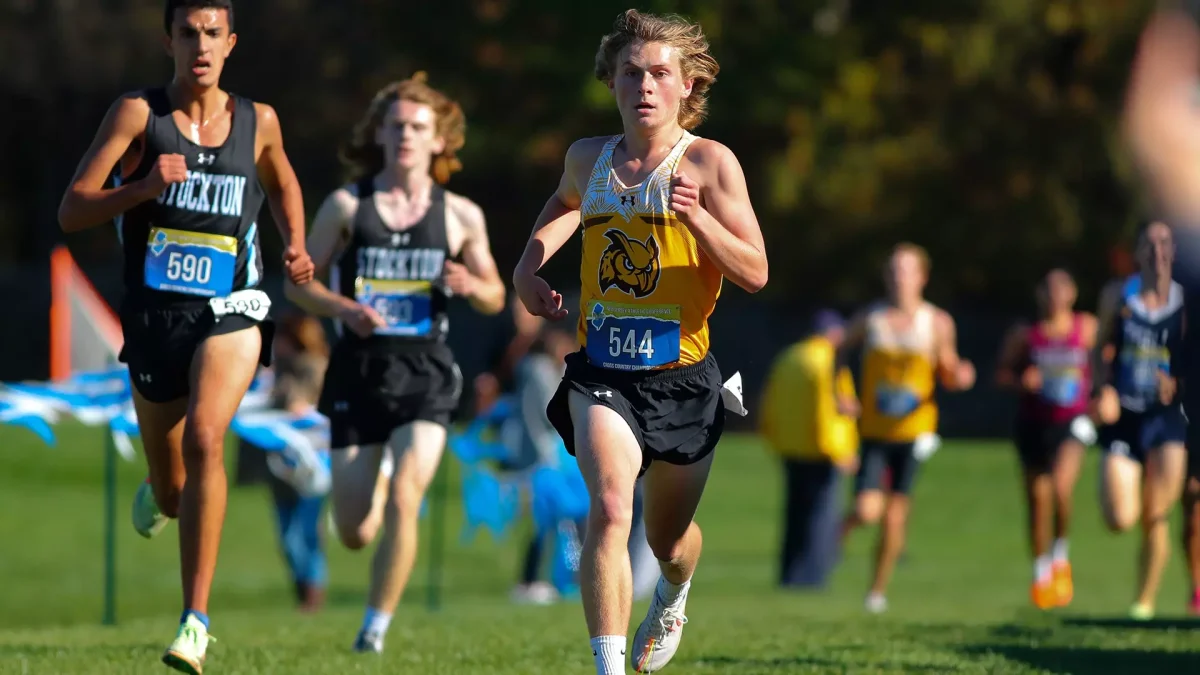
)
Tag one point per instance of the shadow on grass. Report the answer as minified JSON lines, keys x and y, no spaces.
{"x":1132,"y":624}
{"x":787,"y":664}
{"x":1091,"y":660}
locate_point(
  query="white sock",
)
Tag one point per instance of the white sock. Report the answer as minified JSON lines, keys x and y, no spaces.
{"x":671,"y":593}
{"x":1059,"y":550}
{"x":376,"y":622}
{"x":609,"y":654}
{"x":1042,"y":568}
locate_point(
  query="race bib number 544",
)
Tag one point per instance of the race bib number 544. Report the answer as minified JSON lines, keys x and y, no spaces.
{"x":632,"y":337}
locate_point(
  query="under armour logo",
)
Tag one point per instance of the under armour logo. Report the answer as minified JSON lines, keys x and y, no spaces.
{"x":206,"y":159}
{"x":604,"y":394}
{"x":626,"y":199}
{"x":400,"y":239}
{"x":144,"y":377}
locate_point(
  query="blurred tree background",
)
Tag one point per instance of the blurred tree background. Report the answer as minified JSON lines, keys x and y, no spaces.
{"x":985,"y":131}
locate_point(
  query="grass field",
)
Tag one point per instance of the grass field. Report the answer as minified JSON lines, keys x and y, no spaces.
{"x":958,"y":603}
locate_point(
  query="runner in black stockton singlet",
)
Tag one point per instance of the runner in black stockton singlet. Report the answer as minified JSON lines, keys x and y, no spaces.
{"x":1143,"y":444}
{"x":393,"y":384}
{"x":1163,"y":126}
{"x":191,"y":166}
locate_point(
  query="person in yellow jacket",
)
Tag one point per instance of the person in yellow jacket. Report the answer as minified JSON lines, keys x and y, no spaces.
{"x":800,"y":423}
{"x":909,"y":346}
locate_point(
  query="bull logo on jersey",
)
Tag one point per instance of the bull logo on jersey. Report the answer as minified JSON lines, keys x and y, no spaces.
{"x":630,"y":264}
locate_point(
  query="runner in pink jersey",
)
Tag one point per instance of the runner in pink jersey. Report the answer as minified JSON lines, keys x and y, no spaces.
{"x":1049,"y":363}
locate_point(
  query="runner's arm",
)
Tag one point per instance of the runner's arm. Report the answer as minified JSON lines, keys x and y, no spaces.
{"x":279,"y":179}
{"x":949,"y":362}
{"x":330,"y":233}
{"x":726,"y":227}
{"x":1011,"y":353}
{"x":1162,"y":120}
{"x":1105,"y":349}
{"x":86,"y":203}
{"x":1179,"y":356}
{"x":487,"y":293}
{"x":1089,"y":327}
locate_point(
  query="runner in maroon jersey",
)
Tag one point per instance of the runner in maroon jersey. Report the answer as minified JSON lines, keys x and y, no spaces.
{"x":1049,"y":363}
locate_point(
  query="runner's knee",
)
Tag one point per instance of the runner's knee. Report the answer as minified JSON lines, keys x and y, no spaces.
{"x":203,"y":441}
{"x":611,"y":510}
{"x":670,"y":546}
{"x":1118,"y":519}
{"x":869,"y":507}
{"x":357,"y":528}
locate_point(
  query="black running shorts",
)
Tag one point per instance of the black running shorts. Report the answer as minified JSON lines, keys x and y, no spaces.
{"x":878,"y":457}
{"x":676,"y":414}
{"x":1038,"y":443}
{"x":369,"y":393}
{"x":1135,"y":434}
{"x":160,"y":343}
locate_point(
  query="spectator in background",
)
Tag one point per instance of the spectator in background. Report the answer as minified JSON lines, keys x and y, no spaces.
{"x":516,"y":341}
{"x":800,"y":422}
{"x":535,"y":377}
{"x":535,"y":442}
{"x":301,"y":355}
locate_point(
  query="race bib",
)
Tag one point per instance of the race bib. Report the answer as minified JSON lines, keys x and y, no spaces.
{"x":406,"y":306}
{"x":190,"y":262}
{"x":632,"y":337}
{"x":1061,"y":389}
{"x":1141,"y":371}
{"x":895,"y":401}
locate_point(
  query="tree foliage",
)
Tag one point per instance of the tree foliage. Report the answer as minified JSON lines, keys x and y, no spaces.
{"x":985,"y":131}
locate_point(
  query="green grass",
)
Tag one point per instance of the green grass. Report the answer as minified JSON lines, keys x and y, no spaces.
{"x":958,"y":604}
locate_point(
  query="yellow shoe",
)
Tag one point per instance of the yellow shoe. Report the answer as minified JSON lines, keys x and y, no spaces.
{"x":1064,"y":587}
{"x":1044,"y":594}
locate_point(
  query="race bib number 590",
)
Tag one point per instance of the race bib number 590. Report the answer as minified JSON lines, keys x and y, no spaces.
{"x":190,"y":262}
{"x":632,"y":337}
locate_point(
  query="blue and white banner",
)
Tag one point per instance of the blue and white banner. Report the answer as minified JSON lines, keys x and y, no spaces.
{"x":106,"y":398}
{"x":297,"y":446}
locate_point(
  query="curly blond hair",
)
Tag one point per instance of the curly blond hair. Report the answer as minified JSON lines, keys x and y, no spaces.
{"x":683,"y":36}
{"x":363,"y":157}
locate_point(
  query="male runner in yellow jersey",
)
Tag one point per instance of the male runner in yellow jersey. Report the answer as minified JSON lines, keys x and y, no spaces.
{"x":665,"y":216}
{"x":908,"y":345}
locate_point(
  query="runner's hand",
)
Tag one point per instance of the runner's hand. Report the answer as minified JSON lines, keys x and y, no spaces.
{"x":539,"y":298}
{"x":299,"y":265}
{"x":361,"y":319}
{"x":167,"y":170}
